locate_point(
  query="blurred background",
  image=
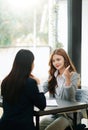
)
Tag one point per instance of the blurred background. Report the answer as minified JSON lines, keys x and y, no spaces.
{"x":41,"y":26}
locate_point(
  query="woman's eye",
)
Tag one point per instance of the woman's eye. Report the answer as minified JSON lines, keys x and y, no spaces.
{"x":58,"y":59}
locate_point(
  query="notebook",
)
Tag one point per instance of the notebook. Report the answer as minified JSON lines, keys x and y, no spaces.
{"x":51,"y":102}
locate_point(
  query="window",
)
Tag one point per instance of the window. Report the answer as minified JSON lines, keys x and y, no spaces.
{"x":33,"y":25}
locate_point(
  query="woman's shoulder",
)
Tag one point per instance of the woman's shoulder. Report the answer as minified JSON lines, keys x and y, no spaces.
{"x":75,"y":75}
{"x":31,"y":84}
{"x":30,"y":79}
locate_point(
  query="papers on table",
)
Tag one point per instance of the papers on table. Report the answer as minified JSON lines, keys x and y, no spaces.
{"x":51,"y":102}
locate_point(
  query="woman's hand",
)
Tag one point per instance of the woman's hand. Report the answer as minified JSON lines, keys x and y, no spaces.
{"x":67,"y":75}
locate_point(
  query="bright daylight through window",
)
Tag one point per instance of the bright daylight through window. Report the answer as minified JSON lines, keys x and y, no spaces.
{"x":38,"y":25}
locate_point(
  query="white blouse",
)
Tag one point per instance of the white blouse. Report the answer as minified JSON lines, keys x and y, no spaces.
{"x":60,"y":84}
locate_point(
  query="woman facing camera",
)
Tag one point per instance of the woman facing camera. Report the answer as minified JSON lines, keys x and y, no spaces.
{"x":62,"y":84}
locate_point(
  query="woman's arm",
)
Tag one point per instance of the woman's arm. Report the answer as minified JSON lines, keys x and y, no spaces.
{"x":38,"y":99}
{"x":67,"y":85}
{"x":45,"y":86}
{"x":70,"y":91}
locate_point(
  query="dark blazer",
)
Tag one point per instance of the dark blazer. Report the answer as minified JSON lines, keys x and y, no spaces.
{"x":20,"y":115}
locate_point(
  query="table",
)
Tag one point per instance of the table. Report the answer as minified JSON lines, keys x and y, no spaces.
{"x":63,"y":106}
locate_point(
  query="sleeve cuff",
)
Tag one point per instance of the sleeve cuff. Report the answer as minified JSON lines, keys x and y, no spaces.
{"x":40,"y":87}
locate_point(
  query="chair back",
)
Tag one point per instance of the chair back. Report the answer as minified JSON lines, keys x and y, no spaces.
{"x":82,"y":95}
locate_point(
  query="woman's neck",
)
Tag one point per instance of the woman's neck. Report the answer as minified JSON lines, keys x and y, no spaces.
{"x":61,"y":71}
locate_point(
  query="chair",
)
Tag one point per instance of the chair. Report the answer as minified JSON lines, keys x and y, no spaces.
{"x":82,"y":96}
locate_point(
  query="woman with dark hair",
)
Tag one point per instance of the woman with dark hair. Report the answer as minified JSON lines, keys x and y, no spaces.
{"x":20,"y":94}
{"x":62,"y":84}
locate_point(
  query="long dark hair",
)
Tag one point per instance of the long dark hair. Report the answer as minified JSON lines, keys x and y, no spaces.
{"x":67,"y":61}
{"x":13,"y":84}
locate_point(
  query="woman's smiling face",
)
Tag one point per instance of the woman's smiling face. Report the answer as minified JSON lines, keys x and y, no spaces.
{"x":58,"y":62}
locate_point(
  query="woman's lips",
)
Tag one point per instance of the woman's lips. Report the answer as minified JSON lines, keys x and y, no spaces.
{"x":57,"y":66}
